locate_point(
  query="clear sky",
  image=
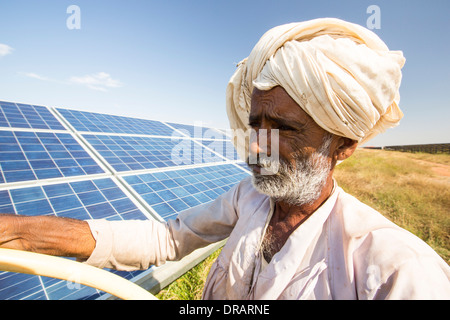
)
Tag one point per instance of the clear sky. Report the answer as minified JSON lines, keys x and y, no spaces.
{"x":171,"y":60}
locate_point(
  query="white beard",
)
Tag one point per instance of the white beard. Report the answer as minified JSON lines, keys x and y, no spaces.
{"x":300,"y":184}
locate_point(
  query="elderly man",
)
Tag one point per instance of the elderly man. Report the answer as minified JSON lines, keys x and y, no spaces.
{"x":324,"y":86}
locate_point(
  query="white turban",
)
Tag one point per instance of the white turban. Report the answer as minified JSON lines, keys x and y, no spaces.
{"x":341,"y":74}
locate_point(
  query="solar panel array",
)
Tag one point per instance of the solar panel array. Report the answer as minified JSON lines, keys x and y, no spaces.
{"x":85,"y":165}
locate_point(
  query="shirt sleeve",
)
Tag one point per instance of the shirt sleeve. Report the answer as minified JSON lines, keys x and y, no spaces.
{"x":136,"y":244}
{"x":417,"y":279}
{"x":392,"y":263}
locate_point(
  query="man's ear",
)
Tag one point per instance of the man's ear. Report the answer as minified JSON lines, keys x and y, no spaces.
{"x":345,"y":148}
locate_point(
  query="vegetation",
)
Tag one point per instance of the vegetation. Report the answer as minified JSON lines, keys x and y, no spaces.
{"x":404,"y":187}
{"x":190,"y":285}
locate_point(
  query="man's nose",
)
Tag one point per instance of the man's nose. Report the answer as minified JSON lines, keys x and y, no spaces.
{"x":260,"y":142}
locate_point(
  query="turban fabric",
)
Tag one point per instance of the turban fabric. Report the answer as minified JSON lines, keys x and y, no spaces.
{"x":341,"y":74}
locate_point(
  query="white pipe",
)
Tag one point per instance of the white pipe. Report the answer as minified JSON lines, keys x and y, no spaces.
{"x":60,"y":268}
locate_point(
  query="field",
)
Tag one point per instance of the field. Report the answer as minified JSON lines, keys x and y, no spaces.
{"x":411,"y":189}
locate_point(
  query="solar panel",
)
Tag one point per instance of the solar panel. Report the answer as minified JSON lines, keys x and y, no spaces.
{"x":125,"y":153}
{"x":83,"y":121}
{"x":86,"y":165}
{"x":85,"y":199}
{"x":171,"y":192}
{"x":27,"y":116}
{"x":28,"y":156}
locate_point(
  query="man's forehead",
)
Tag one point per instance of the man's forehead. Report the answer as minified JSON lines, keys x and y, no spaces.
{"x":277,"y":104}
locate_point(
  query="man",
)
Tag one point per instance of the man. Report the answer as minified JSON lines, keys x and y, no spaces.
{"x":324,"y":86}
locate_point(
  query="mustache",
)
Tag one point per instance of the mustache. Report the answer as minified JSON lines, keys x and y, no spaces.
{"x":266,"y":164}
{"x":274,"y":165}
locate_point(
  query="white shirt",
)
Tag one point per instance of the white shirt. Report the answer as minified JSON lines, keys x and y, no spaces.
{"x":344,"y":250}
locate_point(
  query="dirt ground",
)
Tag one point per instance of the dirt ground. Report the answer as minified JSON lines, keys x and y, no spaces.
{"x":440,"y":169}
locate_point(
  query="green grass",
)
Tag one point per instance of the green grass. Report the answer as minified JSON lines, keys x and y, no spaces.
{"x":190,"y":285}
{"x":401,"y":186}
{"x":406,"y":191}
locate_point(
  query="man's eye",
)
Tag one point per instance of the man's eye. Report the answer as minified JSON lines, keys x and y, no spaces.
{"x":285,"y":128}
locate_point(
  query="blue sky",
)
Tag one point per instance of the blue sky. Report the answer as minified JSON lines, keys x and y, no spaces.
{"x":171,"y":60}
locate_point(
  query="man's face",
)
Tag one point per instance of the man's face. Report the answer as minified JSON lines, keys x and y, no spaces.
{"x":303,"y":148}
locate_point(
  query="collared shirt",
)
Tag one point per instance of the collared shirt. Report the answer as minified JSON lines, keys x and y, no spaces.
{"x":344,"y":250}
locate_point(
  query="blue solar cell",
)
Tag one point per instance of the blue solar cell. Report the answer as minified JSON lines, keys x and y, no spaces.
{"x":42,"y":155}
{"x":83,"y":186}
{"x":57,"y":190}
{"x":26,"y":194}
{"x":100,"y":198}
{"x":187,"y":188}
{"x":34,"y":208}
{"x":127,"y":153}
{"x":113,"y":193}
{"x":91,"y":197}
{"x":65,"y":203}
{"x":19,"y":286}
{"x":27,"y":116}
{"x":96,"y":122}
{"x":4,"y":198}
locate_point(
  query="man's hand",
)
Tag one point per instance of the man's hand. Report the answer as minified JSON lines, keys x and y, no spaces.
{"x":46,"y":234}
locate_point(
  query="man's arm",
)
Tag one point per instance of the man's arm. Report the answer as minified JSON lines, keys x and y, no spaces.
{"x":47,"y":234}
